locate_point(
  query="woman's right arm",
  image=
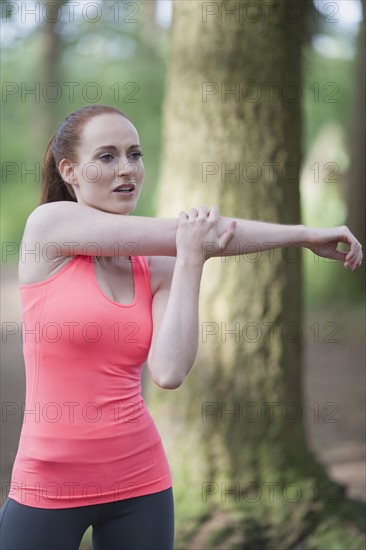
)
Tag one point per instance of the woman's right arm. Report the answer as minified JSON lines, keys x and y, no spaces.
{"x":66,"y":228}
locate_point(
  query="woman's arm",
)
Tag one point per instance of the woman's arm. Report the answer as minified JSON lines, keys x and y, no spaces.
{"x":66,"y":228}
{"x":254,"y":236}
{"x":175,"y":315}
{"x":176,"y":331}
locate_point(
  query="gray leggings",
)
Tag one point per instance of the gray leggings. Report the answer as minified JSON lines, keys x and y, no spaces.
{"x":139,"y":523}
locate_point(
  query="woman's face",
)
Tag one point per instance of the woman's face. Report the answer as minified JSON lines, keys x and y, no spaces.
{"x":109,"y":156}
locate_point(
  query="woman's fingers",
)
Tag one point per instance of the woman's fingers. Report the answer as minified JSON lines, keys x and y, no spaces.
{"x":356,"y":259}
{"x":214,"y":213}
{"x":338,"y":255}
{"x":202,"y":212}
{"x":192,"y":214}
{"x":210,"y":215}
{"x":354,"y":255}
{"x":324,"y":243}
{"x":227,"y":235}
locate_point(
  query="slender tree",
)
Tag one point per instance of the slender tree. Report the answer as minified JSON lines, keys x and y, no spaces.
{"x":234,"y":432}
{"x":50,"y":70}
{"x":356,"y":175}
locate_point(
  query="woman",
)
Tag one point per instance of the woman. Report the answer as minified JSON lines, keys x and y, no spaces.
{"x":103,"y":293}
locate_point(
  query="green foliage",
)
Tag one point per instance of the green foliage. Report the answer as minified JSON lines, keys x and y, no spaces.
{"x":327,"y":103}
{"x":129,"y":77}
{"x":130,"y":72}
{"x":328,"y":93}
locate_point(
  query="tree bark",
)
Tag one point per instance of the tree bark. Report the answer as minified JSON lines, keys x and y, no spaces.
{"x":357,"y":171}
{"x":236,"y":423}
{"x":50,"y":68}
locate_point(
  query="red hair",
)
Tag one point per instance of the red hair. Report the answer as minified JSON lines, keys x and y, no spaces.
{"x":62,"y":145}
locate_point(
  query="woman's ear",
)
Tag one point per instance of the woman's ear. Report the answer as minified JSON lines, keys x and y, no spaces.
{"x":67,"y":171}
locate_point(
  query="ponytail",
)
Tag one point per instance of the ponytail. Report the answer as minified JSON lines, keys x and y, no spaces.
{"x":53,"y":187}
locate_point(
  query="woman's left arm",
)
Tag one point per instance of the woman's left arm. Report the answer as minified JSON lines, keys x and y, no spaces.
{"x":254,"y":236}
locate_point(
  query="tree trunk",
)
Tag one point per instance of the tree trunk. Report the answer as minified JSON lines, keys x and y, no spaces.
{"x":356,"y":175}
{"x":50,"y":68}
{"x":236,"y":422}
{"x":149,"y":30}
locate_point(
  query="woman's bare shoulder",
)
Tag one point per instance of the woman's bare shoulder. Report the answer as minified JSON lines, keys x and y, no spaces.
{"x":161,"y":270}
{"x":36,"y":262}
{"x":39,"y":270}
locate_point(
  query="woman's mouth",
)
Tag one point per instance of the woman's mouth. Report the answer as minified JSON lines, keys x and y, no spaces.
{"x":125,"y":189}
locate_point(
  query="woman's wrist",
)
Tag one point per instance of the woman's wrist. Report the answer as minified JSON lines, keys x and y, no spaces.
{"x":190,"y":259}
{"x":305,"y":239}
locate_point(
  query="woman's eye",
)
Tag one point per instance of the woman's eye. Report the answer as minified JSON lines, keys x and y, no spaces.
{"x":106,"y":157}
{"x":136,"y":155}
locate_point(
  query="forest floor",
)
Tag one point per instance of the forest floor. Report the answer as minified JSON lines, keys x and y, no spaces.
{"x":334,"y":388}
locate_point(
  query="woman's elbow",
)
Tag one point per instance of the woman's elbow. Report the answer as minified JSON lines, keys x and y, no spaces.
{"x":168,"y":382}
{"x":165,"y":377}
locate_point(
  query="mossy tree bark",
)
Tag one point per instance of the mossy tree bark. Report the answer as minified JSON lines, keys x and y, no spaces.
{"x":236,"y":423}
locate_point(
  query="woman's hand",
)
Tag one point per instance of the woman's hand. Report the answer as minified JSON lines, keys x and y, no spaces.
{"x":199,"y":228}
{"x":324,"y":242}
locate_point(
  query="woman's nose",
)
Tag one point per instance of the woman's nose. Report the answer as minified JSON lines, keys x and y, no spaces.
{"x":126,"y":167}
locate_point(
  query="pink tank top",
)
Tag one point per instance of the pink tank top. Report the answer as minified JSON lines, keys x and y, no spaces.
{"x":87,"y":436}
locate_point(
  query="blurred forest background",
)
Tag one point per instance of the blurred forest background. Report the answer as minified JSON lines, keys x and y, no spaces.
{"x":116,"y":53}
{"x":57,"y":60}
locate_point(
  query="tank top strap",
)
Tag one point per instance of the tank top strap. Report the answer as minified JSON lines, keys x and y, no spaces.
{"x":141,"y":271}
